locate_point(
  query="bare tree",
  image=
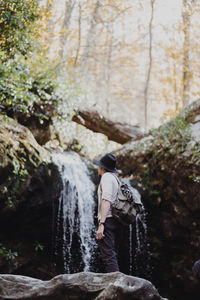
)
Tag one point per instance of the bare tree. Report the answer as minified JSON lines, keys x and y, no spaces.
{"x":109,"y":48}
{"x":50,"y":23}
{"x":146,"y":90}
{"x":69,"y":6}
{"x":79,"y":35}
{"x":186,"y":12}
{"x":90,"y":43}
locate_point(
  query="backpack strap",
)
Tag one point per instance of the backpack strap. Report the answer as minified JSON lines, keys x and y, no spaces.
{"x":119,"y":184}
{"x":118,"y":181}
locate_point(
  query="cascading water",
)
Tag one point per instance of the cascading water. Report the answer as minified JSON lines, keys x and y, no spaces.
{"x":141,"y":266}
{"x":75,"y":213}
{"x":74,"y":230}
{"x":142,"y":251}
{"x":130,"y":249}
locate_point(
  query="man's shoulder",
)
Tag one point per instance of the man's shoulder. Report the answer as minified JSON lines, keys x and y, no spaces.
{"x":109,"y":176}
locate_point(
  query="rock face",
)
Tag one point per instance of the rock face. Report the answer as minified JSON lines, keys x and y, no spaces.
{"x":20,"y":154}
{"x":167,"y":164}
{"x":38,"y":120}
{"x":29,"y":183}
{"x":80,"y":286}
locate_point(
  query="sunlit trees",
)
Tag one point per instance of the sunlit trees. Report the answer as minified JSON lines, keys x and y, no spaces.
{"x":25,"y":90}
{"x":109,"y":44}
{"x":17,"y":19}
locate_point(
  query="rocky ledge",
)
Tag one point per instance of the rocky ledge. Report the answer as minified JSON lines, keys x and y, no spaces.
{"x":78,"y":286}
{"x":166,"y":163}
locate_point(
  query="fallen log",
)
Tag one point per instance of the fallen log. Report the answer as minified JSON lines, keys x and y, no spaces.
{"x":115,"y":131}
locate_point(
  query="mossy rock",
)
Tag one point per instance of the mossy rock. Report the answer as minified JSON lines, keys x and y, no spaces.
{"x":166,"y":162}
{"x":20,"y":155}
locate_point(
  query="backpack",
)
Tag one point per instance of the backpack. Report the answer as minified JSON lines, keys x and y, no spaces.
{"x":127,"y":204}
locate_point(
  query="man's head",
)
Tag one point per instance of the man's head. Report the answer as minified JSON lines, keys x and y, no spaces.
{"x":107,"y":163}
{"x":101,"y":171}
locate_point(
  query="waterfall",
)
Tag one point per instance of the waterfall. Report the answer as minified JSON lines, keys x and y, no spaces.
{"x":140,"y":246}
{"x":75,"y":230}
{"x":142,"y":251}
{"x":130,"y":249}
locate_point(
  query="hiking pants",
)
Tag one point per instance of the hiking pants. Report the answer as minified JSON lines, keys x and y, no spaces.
{"x":109,"y":244}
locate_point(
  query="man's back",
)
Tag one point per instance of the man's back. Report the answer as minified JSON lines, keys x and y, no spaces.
{"x":108,"y":190}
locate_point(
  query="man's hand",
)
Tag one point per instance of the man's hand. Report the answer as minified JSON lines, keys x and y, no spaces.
{"x":100,"y":231}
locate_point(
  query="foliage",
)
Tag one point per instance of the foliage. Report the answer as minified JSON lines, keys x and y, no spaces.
{"x":172,"y":139}
{"x":38,"y":246}
{"x":195,"y":178}
{"x":177,"y":130}
{"x":7,"y":253}
{"x":103,"y":44}
{"x":17,"y":20}
{"x":15,"y":184}
{"x":176,"y":126}
{"x":26,"y":88}
{"x":21,"y":89}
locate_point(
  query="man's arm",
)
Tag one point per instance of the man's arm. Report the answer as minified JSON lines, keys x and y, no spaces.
{"x":105,"y":206}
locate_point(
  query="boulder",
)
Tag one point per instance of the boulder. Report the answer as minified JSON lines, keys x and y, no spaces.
{"x":80,"y":286}
{"x":29,"y":185}
{"x":20,"y":155}
{"x":38,"y":120}
{"x":165,"y":166}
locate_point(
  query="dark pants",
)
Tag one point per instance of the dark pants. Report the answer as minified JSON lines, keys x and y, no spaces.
{"x":109,"y":244}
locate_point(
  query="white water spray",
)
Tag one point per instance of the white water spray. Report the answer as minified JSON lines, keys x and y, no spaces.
{"x":142,"y":252}
{"x":130,"y":249}
{"x":76,"y":206}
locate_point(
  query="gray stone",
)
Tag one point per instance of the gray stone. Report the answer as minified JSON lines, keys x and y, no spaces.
{"x":167,"y":164}
{"x":80,"y":286}
{"x":195,"y":131}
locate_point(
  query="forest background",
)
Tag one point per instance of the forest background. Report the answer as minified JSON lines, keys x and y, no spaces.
{"x":133,"y":61}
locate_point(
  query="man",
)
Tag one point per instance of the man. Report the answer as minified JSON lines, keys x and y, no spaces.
{"x":108,"y":229}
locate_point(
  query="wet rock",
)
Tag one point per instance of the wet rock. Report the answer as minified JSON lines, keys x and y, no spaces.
{"x":38,"y":120}
{"x":20,"y":155}
{"x":167,"y":164}
{"x":80,"y":286}
{"x":29,"y":185}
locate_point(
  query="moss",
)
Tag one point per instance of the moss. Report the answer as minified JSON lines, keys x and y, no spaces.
{"x":171,"y":142}
{"x":20,"y":155}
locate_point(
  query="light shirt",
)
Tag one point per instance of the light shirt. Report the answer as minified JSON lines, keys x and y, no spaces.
{"x":107,"y":190}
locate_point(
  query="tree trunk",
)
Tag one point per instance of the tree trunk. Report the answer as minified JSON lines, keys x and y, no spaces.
{"x":90,"y":43}
{"x":50,"y":22}
{"x":186,"y":52}
{"x":79,"y":35}
{"x":146,"y":90}
{"x":69,"y":6}
{"x":109,"y":44}
{"x":115,"y":131}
